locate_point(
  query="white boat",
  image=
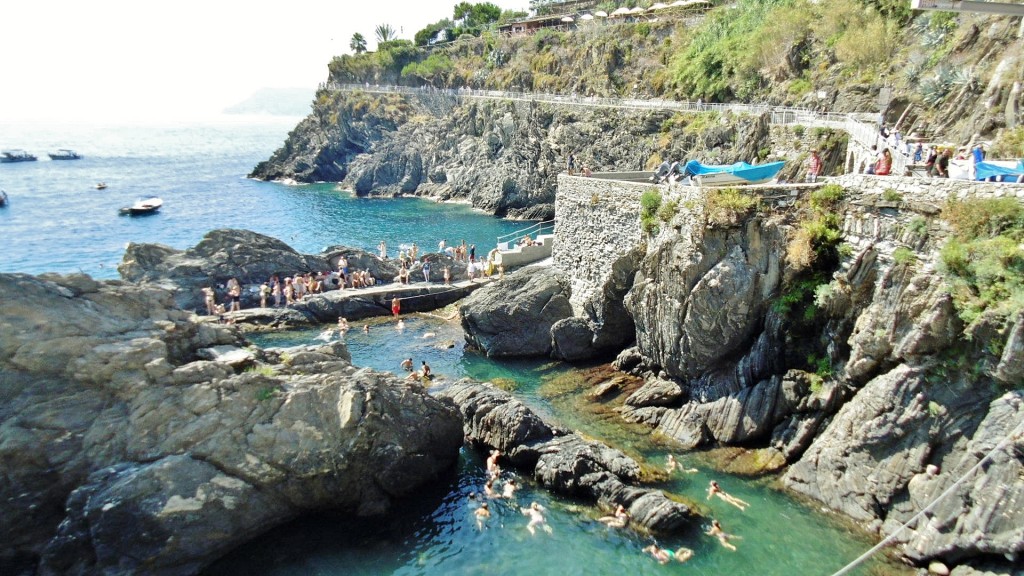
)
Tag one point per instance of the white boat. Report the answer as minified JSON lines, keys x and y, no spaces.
{"x":143,"y":206}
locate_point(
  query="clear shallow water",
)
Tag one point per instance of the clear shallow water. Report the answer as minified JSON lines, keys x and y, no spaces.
{"x":435,"y":533}
{"x":58,"y":222}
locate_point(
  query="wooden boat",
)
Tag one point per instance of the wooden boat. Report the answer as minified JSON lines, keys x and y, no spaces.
{"x":64,"y":154}
{"x":8,"y":156}
{"x":739,"y":173}
{"x":142,"y":207}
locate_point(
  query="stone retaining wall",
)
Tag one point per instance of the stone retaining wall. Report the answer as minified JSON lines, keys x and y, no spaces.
{"x":931,"y":189}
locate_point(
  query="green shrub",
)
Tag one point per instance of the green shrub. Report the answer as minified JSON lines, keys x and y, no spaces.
{"x":904,"y":256}
{"x":827,"y":197}
{"x":988,"y":217}
{"x":650,"y":202}
{"x":918,"y":226}
{"x":890,"y":195}
{"x":264,"y":394}
{"x":1009,"y":144}
{"x":799,"y":131}
{"x":727,"y":206}
{"x":668,"y":210}
{"x":845,"y":250}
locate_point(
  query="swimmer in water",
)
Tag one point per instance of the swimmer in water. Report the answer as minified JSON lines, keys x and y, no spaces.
{"x":536,"y":514}
{"x":509,"y":489}
{"x":482,"y":514}
{"x":671,"y":465}
{"x":723,"y":537}
{"x":492,"y":464}
{"x":429,"y":335}
{"x":617,"y":520}
{"x":407,"y":364}
{"x":366,"y":328}
{"x":400,"y":326}
{"x":714,"y":489}
{"x":342,"y":325}
{"x":664,"y":555}
{"x":489,"y":488}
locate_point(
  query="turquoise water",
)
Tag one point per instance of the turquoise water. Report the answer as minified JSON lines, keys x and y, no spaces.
{"x":58,"y":222}
{"x":435,"y":533}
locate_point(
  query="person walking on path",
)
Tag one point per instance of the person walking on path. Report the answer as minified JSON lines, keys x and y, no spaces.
{"x":813,"y":166}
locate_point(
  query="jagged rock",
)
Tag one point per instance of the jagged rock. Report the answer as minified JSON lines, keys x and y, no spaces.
{"x":701,"y":296}
{"x":385,"y":270}
{"x":1011,"y":364}
{"x":572,"y":339}
{"x":514,"y":316}
{"x":656,"y":392}
{"x":122,"y":453}
{"x":250,"y":257}
{"x":231,"y":355}
{"x":628,"y":359}
{"x":560,"y":461}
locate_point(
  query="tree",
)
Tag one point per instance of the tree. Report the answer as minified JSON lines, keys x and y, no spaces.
{"x":384,"y":33}
{"x":358,"y":43}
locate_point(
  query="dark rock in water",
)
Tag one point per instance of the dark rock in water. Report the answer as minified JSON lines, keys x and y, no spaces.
{"x":514,"y":316}
{"x":656,"y":392}
{"x":124,"y":452}
{"x":385,"y":270}
{"x":573,"y":339}
{"x":628,"y":359}
{"x":561,"y":461}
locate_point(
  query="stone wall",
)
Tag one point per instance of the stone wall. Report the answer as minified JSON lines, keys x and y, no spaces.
{"x":931,"y":189}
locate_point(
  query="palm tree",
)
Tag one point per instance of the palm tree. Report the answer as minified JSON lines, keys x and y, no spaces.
{"x":358,"y":43}
{"x":385,"y":33}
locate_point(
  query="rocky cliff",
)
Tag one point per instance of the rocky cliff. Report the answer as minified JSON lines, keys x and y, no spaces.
{"x":134,"y":439}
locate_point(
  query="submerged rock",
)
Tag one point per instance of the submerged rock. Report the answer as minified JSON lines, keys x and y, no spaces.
{"x":124,"y":452}
{"x":561,"y":461}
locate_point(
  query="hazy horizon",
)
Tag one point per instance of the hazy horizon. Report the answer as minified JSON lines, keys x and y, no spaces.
{"x":115,"y":60}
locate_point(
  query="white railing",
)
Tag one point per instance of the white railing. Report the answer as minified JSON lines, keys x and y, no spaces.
{"x":865,"y":133}
{"x":538,"y":228}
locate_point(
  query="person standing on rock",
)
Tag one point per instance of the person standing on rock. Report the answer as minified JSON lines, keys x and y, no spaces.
{"x":264,"y":292}
{"x":813,"y":166}
{"x":447,"y":276}
{"x":289,"y":291}
{"x":210,"y":299}
{"x":396,"y":306}
{"x":715,"y":490}
{"x":343,"y":270}
{"x":426,"y":271}
{"x":235,"y":294}
{"x":426,"y":370}
{"x":383,"y":248}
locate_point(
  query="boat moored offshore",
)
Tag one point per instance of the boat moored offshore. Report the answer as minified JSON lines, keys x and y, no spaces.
{"x":64,"y":154}
{"x":8,"y":156}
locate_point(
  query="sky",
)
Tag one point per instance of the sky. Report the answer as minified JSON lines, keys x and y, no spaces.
{"x":98,"y":60}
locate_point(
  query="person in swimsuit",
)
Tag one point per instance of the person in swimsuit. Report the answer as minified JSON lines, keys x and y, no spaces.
{"x":235,"y":294}
{"x":617,"y":520}
{"x":715,"y":490}
{"x":723,"y":537}
{"x":671,"y":465}
{"x":492,"y":464}
{"x":664,"y":555}
{"x":407,"y":364}
{"x":509,"y":489}
{"x":489,"y":488}
{"x":536,"y":514}
{"x":482,"y":514}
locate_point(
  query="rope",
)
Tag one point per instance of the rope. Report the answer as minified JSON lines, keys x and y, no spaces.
{"x":888,"y":539}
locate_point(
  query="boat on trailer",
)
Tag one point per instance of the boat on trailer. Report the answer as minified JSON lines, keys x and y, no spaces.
{"x":142,"y":207}
{"x":739,"y":173}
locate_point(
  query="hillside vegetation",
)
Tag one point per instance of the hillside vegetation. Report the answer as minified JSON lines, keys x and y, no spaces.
{"x":959,"y":72}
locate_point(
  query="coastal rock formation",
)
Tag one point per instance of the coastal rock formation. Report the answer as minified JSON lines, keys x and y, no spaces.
{"x":126,"y":452}
{"x":561,"y":461}
{"x":514,"y":316}
{"x":218,"y":257}
{"x":502,"y":156}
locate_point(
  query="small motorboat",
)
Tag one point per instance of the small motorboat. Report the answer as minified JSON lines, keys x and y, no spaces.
{"x":731,"y":174}
{"x":4,"y":201}
{"x":101,"y":185}
{"x":64,"y":154}
{"x":142,"y":207}
{"x":16,"y":156}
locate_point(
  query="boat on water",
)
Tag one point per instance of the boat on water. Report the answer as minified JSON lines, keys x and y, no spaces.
{"x":142,"y":207}
{"x":64,"y":154}
{"x":16,"y":156}
{"x":101,"y":185}
{"x":739,"y":173}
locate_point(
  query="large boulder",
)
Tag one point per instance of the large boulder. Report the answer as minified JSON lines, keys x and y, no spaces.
{"x":514,"y":316}
{"x":250,"y":257}
{"x":125,"y":452}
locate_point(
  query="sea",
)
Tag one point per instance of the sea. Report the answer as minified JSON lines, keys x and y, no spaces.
{"x":57,"y":221}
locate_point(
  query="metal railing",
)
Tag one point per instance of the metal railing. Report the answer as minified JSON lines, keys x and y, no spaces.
{"x":865,"y":133}
{"x":538,"y":228}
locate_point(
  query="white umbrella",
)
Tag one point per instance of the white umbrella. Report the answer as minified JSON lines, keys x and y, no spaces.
{"x":601,"y":14}
{"x":587,"y":17}
{"x":621,"y":12}
{"x":657,"y":6}
{"x":567,"y":19}
{"x":637,"y":10}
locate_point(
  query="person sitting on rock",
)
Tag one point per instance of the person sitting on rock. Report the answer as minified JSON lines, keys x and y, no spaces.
{"x":617,"y":520}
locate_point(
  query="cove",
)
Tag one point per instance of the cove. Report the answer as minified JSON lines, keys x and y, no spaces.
{"x":434,"y":533}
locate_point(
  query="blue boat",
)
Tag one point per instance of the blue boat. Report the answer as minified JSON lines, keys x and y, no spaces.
{"x":996,"y":173}
{"x":731,"y":174}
